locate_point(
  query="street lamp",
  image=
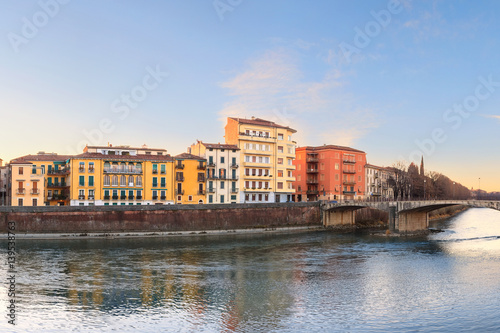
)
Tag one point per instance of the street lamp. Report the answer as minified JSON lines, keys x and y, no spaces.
{"x":425,"y":180}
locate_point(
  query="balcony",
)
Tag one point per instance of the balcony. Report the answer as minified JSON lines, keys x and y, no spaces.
{"x":257,"y":137}
{"x":131,"y":197}
{"x":349,"y":192}
{"x":179,"y":192}
{"x":202,"y":166}
{"x":155,"y":172}
{"x":123,"y":197}
{"x":91,"y":170}
{"x":56,"y":185}
{"x":81,"y":169}
{"x":59,"y":172}
{"x":125,"y":171}
{"x":312,"y":170}
{"x":115,"y":197}
{"x":234,"y":190}
{"x":312,"y":192}
{"x":202,"y":192}
{"x":349,"y":161}
{"x":91,"y":197}
{"x":81,"y":197}
{"x":155,"y":197}
{"x":139,"y":197}
{"x":234,"y":165}
{"x":179,"y":179}
{"x":60,"y":197}
{"x":312,"y":159}
{"x":35,"y":191}
{"x":211,"y":190}
{"x":179,"y":166}
{"x":211,"y":165}
{"x":349,"y":182}
{"x":163,"y":197}
{"x":201,"y":180}
{"x":352,"y":172}
{"x":163,"y":172}
{"x":21,"y":191}
{"x":106,"y":197}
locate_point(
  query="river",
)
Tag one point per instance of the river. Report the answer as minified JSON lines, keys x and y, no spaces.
{"x":294,"y":282}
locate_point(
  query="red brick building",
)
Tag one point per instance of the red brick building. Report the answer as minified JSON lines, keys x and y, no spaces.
{"x":329,"y":173}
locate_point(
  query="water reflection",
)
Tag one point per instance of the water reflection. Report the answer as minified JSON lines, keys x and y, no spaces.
{"x":262,"y":283}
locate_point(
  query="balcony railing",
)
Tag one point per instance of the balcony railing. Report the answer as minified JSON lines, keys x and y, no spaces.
{"x":106,"y":197}
{"x":312,"y":192}
{"x":349,"y":192}
{"x":123,"y":197}
{"x":211,"y":165}
{"x":81,"y":169}
{"x":115,"y":197}
{"x":312,"y":181}
{"x":234,"y":190}
{"x":91,"y":170}
{"x":21,"y":191}
{"x":163,"y":172}
{"x":211,"y":190}
{"x":139,"y":197}
{"x":201,"y":179}
{"x":125,"y":171}
{"x":349,"y":171}
{"x":163,"y":197}
{"x":312,"y":170}
{"x":56,"y":185}
{"x":81,"y":197}
{"x":349,"y":182}
{"x":155,"y":197}
{"x":91,"y":197}
{"x":179,"y":166}
{"x":58,"y":172}
{"x":179,"y":179}
{"x":155,"y":171}
{"x":35,"y":191}
{"x":312,"y":160}
{"x":349,"y":161}
{"x":179,"y":192}
{"x":202,"y":166}
{"x":234,"y":165}
{"x":201,"y":192}
{"x":131,"y":197}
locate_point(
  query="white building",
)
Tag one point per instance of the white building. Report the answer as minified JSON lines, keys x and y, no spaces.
{"x":377,"y":183}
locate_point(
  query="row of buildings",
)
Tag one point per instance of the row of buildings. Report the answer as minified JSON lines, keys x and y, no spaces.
{"x":259,"y":162}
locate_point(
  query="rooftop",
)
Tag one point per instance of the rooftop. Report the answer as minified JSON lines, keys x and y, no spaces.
{"x":219,"y":146}
{"x":187,"y":156}
{"x":331,"y":147}
{"x":261,"y":122}
{"x":138,"y":157}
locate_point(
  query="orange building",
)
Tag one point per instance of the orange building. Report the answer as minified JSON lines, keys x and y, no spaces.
{"x":329,"y":173}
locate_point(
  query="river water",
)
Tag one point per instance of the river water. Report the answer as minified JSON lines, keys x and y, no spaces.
{"x":295,"y":282}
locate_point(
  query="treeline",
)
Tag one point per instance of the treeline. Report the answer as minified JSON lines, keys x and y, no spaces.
{"x":412,"y":183}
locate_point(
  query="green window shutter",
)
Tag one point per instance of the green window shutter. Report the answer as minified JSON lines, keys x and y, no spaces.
{"x":82,"y":180}
{"x":155,"y":182}
{"x":163,"y":168}
{"x":91,"y":180}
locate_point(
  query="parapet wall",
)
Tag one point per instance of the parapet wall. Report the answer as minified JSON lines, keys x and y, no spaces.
{"x":168,"y":218}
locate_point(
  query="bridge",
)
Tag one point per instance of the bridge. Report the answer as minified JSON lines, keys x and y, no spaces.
{"x":404,"y":216}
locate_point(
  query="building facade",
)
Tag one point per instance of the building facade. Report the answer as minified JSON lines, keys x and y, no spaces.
{"x":222,"y":176}
{"x":189,"y":179}
{"x":267,"y":152}
{"x":122,"y":175}
{"x":329,"y":173}
{"x":4,"y":185}
{"x":377,"y":183}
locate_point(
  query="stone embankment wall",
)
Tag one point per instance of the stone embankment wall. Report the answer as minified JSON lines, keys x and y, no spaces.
{"x":169,"y":218}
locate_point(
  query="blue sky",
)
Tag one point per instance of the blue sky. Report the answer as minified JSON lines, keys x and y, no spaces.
{"x":396,"y":79}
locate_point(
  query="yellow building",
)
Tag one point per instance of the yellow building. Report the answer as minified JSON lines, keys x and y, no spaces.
{"x":39,"y":180}
{"x":267,"y":152}
{"x":122,"y":175}
{"x":189,"y":179}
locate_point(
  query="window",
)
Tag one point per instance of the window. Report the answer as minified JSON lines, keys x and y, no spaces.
{"x":280,"y":149}
{"x":289,"y":138}
{"x":33,"y":170}
{"x":163,"y":182}
{"x":35,"y":202}
{"x":280,"y":161}
{"x":233,"y":197}
{"x":222,"y":159}
{"x":155,"y":195}
{"x":359,"y":178}
{"x":280,"y":136}
{"x":201,"y":177}
{"x":280,"y":173}
{"x":82,"y":166}
{"x":91,"y":166}
{"x":233,"y":162}
{"x":106,"y":167}
{"x":336,"y":166}
{"x":91,"y":180}
{"x":130,"y":180}
{"x":155,"y":182}
{"x":222,"y":199}
{"x":163,"y":169}
{"x":155,"y":168}
{"x":139,"y":181}
{"x":139,"y":194}
{"x":163,"y":196}
{"x":138,"y":168}
{"x":114,"y":181}
{"x":82,"y":181}
{"x":106,"y":180}
{"x":280,"y":185}
{"x":20,"y":202}
{"x":123,"y":180}
{"x":190,"y":198}
{"x":210,"y":198}
{"x":21,"y":171}
{"x":222,"y":185}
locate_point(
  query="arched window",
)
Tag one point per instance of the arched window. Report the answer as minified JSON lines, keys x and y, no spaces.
{"x":114,"y":167}
{"x":106,"y":167}
{"x":114,"y":181}
{"x":139,"y":181}
{"x":138,"y":168}
{"x":123,"y":167}
{"x":123,"y":180}
{"x":106,"y":180}
{"x":200,"y":202}
{"x":130,"y":180}
{"x":131,"y":167}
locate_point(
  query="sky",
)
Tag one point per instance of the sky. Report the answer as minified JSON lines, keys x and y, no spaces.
{"x":396,"y":79}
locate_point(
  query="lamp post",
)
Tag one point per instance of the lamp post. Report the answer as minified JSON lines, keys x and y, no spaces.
{"x":425,"y":180}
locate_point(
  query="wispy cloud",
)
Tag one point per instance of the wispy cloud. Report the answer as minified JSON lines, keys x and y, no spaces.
{"x":493,"y":116}
{"x":273,"y":86}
